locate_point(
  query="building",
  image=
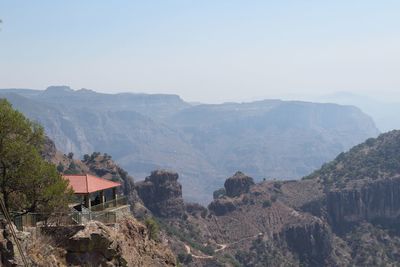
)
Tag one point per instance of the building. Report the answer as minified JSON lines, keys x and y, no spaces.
{"x":93,"y":192}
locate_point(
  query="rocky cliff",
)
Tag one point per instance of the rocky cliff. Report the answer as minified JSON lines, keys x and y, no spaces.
{"x":252,"y":223}
{"x":363,"y":185}
{"x":349,"y":207}
{"x":162,"y":194}
{"x":125,"y":244}
{"x":345,"y":214}
{"x":378,"y":201}
{"x":238,"y":184}
{"x":312,"y":243}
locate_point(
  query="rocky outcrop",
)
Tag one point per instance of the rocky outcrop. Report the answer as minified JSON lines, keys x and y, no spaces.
{"x":161,"y":193}
{"x":125,"y":244}
{"x":312,"y":243}
{"x":228,"y":201}
{"x":9,"y":253}
{"x":238,"y":184}
{"x":103,"y":166}
{"x":222,"y":206}
{"x":375,"y":201}
{"x":8,"y":256}
{"x":96,"y":244}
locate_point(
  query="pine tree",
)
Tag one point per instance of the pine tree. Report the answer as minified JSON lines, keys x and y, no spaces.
{"x":27,"y":182}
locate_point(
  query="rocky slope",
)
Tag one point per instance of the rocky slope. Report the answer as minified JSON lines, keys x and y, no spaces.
{"x":95,"y":244}
{"x":364,"y":183}
{"x":345,"y":214}
{"x":330,"y":218}
{"x":203,"y":143}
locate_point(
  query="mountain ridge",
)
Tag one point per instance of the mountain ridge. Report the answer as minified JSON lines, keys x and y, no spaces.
{"x":204,"y":143}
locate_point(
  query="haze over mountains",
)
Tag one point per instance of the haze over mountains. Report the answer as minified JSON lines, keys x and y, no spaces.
{"x":383,"y":111}
{"x":204,"y":143}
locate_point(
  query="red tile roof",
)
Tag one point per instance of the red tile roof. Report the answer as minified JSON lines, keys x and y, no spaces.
{"x":86,"y":183}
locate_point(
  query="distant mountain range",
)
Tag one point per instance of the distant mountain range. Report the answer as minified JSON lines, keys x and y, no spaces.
{"x":383,"y":112}
{"x":204,"y":143}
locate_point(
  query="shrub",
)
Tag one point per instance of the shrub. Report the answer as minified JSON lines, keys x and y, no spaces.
{"x":266,"y":204}
{"x":60,"y":167}
{"x":153,"y":228}
{"x":219,"y":193}
{"x":185,"y":258}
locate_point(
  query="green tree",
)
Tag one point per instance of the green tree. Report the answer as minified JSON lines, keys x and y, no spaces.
{"x":153,"y":228}
{"x":60,"y":167}
{"x":27,"y":182}
{"x":86,"y":158}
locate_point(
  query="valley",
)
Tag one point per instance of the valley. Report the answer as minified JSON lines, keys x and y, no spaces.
{"x":204,"y":143}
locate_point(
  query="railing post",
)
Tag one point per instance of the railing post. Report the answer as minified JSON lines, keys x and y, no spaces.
{"x":102,"y":198}
{"x":114,"y":191}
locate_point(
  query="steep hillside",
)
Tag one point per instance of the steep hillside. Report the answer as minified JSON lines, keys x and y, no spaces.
{"x":345,"y":214}
{"x":203,"y":143}
{"x":372,"y":160}
{"x":363,"y":184}
{"x":126,"y":243}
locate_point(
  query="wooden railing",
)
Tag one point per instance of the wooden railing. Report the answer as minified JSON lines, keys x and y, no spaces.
{"x":120,"y":201}
{"x":62,"y":219}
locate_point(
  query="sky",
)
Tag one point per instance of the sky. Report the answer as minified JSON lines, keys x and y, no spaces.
{"x":207,"y":51}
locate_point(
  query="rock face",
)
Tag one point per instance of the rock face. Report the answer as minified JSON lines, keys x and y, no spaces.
{"x":222,"y":206}
{"x":311,"y":242}
{"x":95,"y":244}
{"x":238,"y":184}
{"x":7,"y":247}
{"x":105,"y":246}
{"x":162,"y":194}
{"x":103,"y":166}
{"x":235,"y":186}
{"x":375,"y":201}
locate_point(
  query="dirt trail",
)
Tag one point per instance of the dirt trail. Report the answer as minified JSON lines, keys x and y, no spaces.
{"x":221,"y":247}
{"x":188,"y":251}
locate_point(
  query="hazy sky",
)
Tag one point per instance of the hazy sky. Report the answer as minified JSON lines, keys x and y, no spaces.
{"x":208,"y":51}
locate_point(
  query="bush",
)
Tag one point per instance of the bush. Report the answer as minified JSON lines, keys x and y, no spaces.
{"x":185,"y":258}
{"x":266,"y":204}
{"x":219,"y":193}
{"x":60,"y":167}
{"x":209,"y":250}
{"x":204,"y":213}
{"x":153,"y":228}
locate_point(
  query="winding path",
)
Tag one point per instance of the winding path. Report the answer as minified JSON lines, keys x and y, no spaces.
{"x":188,"y":251}
{"x":221,"y":247}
